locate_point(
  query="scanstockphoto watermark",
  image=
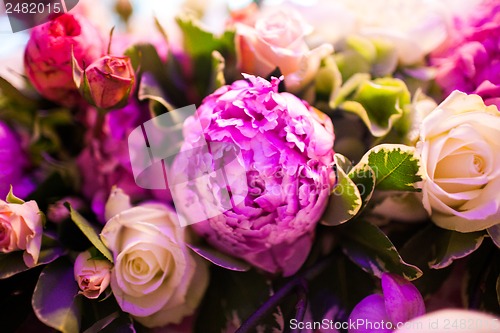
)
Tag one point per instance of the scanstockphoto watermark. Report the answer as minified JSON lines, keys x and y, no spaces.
{"x":441,"y":324}
{"x":214,"y":173}
{"x":358,"y":324}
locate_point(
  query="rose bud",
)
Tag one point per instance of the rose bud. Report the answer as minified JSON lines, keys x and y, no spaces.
{"x":92,"y":275}
{"x":21,"y":229}
{"x":47,"y":59}
{"x":108,"y":81}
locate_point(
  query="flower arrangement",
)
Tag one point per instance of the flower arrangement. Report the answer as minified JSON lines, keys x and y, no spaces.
{"x":310,"y":168}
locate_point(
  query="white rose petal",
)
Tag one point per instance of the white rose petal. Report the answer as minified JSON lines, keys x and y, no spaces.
{"x":460,"y":152}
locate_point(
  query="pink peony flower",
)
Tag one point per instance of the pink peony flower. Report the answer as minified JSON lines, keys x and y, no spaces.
{"x":470,"y":61}
{"x":12,"y":164}
{"x":109,"y":81}
{"x":47,"y":58}
{"x":284,"y":148}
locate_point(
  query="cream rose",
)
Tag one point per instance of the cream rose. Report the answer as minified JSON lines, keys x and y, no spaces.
{"x":460,"y":151}
{"x":21,"y":229}
{"x":155,"y":276}
{"x":277,"y":40}
{"x":92,"y":275}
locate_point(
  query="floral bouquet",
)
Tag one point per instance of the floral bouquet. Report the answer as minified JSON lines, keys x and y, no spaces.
{"x":290,"y":167}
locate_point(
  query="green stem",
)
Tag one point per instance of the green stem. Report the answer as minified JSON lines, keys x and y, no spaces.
{"x":297,"y":283}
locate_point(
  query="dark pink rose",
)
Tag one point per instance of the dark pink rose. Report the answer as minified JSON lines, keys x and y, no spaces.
{"x":47,"y":58}
{"x":108,"y":81}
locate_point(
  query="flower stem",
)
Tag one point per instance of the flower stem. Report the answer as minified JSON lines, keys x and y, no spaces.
{"x":298,"y":283}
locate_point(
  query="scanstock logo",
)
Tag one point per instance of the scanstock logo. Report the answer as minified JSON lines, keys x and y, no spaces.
{"x":161,"y":160}
{"x":26,"y":14}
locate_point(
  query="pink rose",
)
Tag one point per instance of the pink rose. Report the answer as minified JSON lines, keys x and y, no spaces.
{"x":92,"y":275}
{"x":108,"y":81}
{"x":277,"y":40}
{"x":21,"y":229}
{"x":47,"y":58}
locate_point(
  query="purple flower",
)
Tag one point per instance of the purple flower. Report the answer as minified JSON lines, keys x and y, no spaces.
{"x":284,"y":148}
{"x":382,"y":313}
{"x":12,"y":164}
{"x":470,"y":61}
{"x":105,"y":161}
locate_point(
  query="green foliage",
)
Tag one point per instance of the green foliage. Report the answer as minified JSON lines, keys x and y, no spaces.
{"x":231,"y":298}
{"x":90,"y":232}
{"x":11,"y":198}
{"x":13,"y":263}
{"x":451,"y":245}
{"x":219,"y":258}
{"x":396,"y":167}
{"x":55,"y":300}
{"x":370,"y":248}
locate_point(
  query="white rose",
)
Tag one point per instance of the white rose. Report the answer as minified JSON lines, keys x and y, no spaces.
{"x":416,"y":27}
{"x":277,"y":40}
{"x":460,"y":151}
{"x":155,"y":278}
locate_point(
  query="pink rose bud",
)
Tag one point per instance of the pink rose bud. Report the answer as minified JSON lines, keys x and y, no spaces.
{"x":108,"y":81}
{"x":57,"y":212}
{"x":92,"y":275}
{"x":47,"y":58}
{"x":21,"y":229}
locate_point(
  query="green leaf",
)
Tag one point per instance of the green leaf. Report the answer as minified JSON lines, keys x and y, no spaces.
{"x":348,"y":88}
{"x":218,"y":64}
{"x":498,"y":289}
{"x":396,"y":167}
{"x":328,"y":79}
{"x":420,"y":249}
{"x":481,"y":276}
{"x":149,"y":89}
{"x":13,"y":263}
{"x":11,"y":198}
{"x":345,"y":200}
{"x":220,"y":259}
{"x":16,"y":97}
{"x":494,"y":233}
{"x":452,"y":245}
{"x":231,"y":298}
{"x":364,"y":178}
{"x":201,"y":42}
{"x":379,"y":103}
{"x":368,"y":246}
{"x":89,"y":231}
{"x":55,"y":300}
